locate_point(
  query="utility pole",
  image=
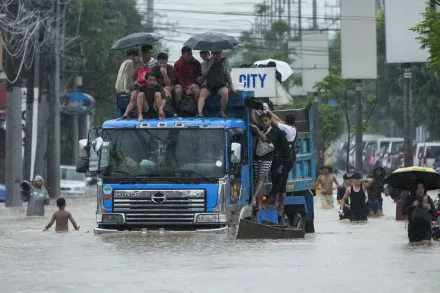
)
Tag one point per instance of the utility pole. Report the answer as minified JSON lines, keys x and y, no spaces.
{"x":359,"y":127}
{"x":53,"y":172}
{"x":407,"y":115}
{"x":315,"y":15}
{"x":289,"y":18}
{"x":13,"y":147}
{"x":280,"y":12}
{"x":150,"y":15}
{"x":75,"y":126}
{"x":299,"y":20}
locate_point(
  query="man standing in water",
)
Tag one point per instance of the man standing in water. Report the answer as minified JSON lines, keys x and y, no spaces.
{"x":37,"y":198}
{"x":358,"y":198}
{"x":326,"y":179}
{"x":341,"y":192}
{"x":375,"y":190}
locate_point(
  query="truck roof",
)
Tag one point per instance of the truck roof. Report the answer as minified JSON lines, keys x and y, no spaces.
{"x":176,"y":122}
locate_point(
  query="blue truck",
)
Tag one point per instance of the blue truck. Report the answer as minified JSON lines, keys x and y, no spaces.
{"x":192,"y":174}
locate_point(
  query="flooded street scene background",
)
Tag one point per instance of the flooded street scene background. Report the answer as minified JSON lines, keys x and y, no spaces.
{"x":371,"y":257}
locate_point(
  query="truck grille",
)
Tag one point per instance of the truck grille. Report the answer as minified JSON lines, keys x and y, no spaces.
{"x":159,"y":207}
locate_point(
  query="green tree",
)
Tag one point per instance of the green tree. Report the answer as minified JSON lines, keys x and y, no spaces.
{"x":91,"y":28}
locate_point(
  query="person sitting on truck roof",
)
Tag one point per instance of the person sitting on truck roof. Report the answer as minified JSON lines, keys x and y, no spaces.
{"x":146,"y":62}
{"x":125,"y":78}
{"x":218,"y":79}
{"x":188,"y":69}
{"x":204,"y":66}
{"x":165,"y":74}
{"x":151,"y":99}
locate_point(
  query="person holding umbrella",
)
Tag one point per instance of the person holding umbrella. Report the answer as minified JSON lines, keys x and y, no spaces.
{"x":216,"y":76}
{"x":146,"y":63}
{"x":218,"y":80}
{"x":418,"y":206}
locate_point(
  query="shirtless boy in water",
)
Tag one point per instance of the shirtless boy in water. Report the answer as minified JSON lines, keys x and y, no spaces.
{"x":326,"y":179}
{"x":62,"y":218}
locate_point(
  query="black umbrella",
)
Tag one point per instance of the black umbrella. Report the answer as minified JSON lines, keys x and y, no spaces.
{"x":211,"y":42}
{"x":407,"y":178}
{"x":136,"y":39}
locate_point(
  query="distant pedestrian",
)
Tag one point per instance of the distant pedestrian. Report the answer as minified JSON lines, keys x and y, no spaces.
{"x":62,"y":218}
{"x":345,"y":210}
{"x":37,"y":198}
{"x":326,"y":179}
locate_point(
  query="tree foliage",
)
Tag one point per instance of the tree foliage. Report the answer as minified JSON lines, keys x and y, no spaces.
{"x":97,"y":24}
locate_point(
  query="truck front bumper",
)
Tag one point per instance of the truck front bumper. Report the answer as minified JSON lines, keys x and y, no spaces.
{"x":202,"y":222}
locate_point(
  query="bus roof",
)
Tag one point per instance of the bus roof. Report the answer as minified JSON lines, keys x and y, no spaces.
{"x":176,"y":122}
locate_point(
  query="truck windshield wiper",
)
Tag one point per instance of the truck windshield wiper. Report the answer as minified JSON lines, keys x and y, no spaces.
{"x":160,"y":175}
{"x":125,"y":173}
{"x":195,"y":173}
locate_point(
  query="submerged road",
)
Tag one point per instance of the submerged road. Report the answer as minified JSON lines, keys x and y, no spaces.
{"x":339,"y":257}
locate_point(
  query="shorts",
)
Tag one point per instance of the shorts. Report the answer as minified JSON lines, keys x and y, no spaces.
{"x":327,"y":201}
{"x":374,"y":205}
{"x":213,"y":89}
{"x":261,"y":168}
{"x":280,"y":174}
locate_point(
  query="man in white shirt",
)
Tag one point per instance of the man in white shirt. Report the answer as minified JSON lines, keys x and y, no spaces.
{"x":280,"y":169}
{"x":289,"y":130}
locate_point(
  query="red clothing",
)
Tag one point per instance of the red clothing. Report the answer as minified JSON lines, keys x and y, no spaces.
{"x":141,"y":74}
{"x":187,"y":73}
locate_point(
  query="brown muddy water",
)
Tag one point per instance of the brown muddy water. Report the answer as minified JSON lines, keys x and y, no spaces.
{"x":371,"y":257}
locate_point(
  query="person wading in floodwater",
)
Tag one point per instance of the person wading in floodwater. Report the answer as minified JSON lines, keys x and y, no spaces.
{"x":326,"y":179}
{"x":37,"y":198}
{"x":358,"y":198}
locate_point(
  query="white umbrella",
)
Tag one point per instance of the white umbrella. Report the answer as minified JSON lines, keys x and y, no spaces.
{"x":282,"y":67}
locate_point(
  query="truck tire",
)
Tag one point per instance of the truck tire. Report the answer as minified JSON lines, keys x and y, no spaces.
{"x":298,"y":221}
{"x":310,"y":226}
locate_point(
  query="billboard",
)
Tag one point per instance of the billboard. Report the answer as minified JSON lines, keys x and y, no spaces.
{"x":401,"y":43}
{"x":261,"y":80}
{"x":315,"y":58}
{"x":358,"y":39}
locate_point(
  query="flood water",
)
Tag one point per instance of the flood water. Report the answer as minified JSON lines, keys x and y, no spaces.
{"x":371,"y":257}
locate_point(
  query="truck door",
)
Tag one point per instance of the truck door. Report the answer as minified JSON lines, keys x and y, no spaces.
{"x":239,"y":174}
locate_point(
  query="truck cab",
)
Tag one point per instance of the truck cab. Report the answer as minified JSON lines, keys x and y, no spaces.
{"x":192,"y":174}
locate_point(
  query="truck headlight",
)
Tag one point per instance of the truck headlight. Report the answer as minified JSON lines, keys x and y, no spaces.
{"x":212,"y":218}
{"x":109,"y":218}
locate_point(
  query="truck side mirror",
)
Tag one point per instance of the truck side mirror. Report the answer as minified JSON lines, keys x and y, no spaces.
{"x":82,"y":166}
{"x":83,"y":149}
{"x":97,"y":144}
{"x":235,"y":153}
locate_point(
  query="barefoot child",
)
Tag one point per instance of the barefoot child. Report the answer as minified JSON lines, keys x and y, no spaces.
{"x":61,"y":217}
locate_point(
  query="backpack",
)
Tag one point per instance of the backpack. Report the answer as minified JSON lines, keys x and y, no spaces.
{"x":188,"y":105}
{"x":295,"y":144}
{"x":216,"y":76}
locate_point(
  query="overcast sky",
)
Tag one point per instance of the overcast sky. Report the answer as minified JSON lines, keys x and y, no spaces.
{"x":178,"y":20}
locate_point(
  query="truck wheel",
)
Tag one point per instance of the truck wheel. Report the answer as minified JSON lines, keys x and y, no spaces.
{"x":285,"y":221}
{"x":310,"y":226}
{"x":298,"y":222}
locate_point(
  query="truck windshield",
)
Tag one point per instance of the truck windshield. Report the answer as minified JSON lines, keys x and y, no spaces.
{"x":156,"y":153}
